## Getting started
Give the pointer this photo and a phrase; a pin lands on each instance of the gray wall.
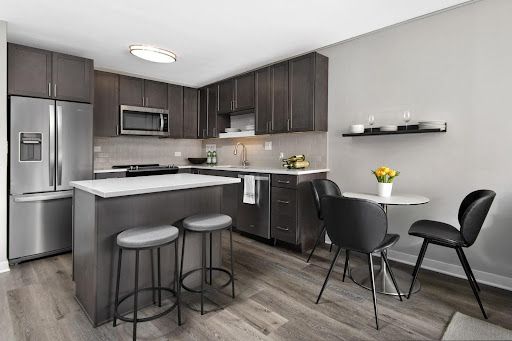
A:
(4, 265)
(456, 66)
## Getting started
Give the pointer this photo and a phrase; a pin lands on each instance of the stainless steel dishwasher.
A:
(255, 218)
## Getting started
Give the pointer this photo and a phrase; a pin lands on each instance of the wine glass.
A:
(371, 121)
(407, 117)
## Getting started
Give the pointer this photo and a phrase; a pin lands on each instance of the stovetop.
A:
(147, 166)
(148, 169)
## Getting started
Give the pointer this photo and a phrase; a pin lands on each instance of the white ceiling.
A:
(213, 39)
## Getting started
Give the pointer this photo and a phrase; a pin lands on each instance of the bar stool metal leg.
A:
(203, 268)
(159, 278)
(153, 275)
(232, 262)
(177, 284)
(210, 258)
(135, 295)
(182, 257)
(117, 284)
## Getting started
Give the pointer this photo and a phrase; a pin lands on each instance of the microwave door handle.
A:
(51, 145)
(161, 122)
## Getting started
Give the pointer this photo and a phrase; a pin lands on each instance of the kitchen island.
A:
(103, 208)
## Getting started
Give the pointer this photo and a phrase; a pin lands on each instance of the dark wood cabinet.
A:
(293, 217)
(211, 109)
(243, 92)
(40, 73)
(190, 115)
(203, 113)
(176, 116)
(263, 112)
(280, 122)
(73, 78)
(106, 104)
(29, 71)
(131, 91)
(225, 92)
(308, 93)
(155, 94)
(236, 94)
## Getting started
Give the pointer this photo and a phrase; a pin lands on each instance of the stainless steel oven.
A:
(144, 121)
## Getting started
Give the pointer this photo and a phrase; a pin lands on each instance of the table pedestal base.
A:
(383, 281)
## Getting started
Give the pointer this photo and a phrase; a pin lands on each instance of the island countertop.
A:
(117, 187)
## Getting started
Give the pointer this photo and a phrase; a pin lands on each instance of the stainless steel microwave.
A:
(144, 121)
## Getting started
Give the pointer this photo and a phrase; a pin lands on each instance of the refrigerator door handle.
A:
(51, 145)
(59, 145)
(43, 196)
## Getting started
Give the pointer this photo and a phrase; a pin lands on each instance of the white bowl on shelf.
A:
(389, 127)
(249, 127)
(232, 130)
(357, 128)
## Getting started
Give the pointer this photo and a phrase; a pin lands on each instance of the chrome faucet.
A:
(245, 163)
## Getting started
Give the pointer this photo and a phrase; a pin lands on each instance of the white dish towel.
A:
(249, 189)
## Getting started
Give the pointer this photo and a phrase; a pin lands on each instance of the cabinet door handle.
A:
(204, 133)
(284, 202)
(288, 124)
(49, 89)
(143, 101)
(282, 228)
(55, 90)
(117, 129)
(147, 101)
(283, 181)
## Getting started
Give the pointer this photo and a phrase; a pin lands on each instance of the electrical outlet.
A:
(97, 149)
(268, 145)
(177, 153)
(211, 147)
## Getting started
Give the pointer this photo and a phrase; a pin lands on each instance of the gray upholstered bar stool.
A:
(207, 224)
(147, 238)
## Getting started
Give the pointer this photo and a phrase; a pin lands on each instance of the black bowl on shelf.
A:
(197, 160)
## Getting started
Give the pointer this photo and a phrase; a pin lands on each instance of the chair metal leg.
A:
(177, 285)
(117, 285)
(317, 241)
(385, 258)
(347, 259)
(467, 270)
(328, 274)
(418, 265)
(203, 268)
(370, 265)
(210, 258)
(135, 295)
(159, 277)
(232, 262)
(330, 248)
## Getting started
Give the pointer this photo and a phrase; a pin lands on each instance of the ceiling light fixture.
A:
(153, 54)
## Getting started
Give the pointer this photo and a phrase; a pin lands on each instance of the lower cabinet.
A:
(293, 217)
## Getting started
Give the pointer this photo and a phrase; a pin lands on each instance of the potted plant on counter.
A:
(385, 177)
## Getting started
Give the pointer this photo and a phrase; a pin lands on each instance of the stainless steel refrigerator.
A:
(50, 144)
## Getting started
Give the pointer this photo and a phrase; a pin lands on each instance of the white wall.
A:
(457, 66)
(4, 265)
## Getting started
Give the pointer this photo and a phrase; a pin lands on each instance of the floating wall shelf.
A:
(411, 129)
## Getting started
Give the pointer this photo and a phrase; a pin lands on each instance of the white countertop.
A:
(117, 187)
(269, 170)
(395, 199)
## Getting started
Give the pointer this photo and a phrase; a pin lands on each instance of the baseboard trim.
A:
(4, 266)
(483, 277)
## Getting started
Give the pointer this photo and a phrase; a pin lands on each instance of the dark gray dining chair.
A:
(472, 213)
(358, 225)
(321, 188)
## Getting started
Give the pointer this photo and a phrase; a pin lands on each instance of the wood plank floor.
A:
(276, 291)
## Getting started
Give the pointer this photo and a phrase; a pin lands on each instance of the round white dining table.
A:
(383, 283)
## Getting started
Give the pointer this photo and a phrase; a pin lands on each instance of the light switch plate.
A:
(281, 156)
(97, 149)
(268, 145)
(177, 153)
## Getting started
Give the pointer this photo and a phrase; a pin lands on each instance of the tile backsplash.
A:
(312, 144)
(125, 150)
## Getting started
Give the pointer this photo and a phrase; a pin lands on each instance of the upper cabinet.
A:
(40, 73)
(190, 112)
(175, 110)
(142, 93)
(106, 104)
(236, 94)
(308, 76)
(280, 121)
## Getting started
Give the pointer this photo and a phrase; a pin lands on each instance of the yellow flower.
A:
(392, 172)
(380, 172)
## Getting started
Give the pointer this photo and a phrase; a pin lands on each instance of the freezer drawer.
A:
(39, 224)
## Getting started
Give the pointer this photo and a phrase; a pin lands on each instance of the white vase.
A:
(384, 189)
